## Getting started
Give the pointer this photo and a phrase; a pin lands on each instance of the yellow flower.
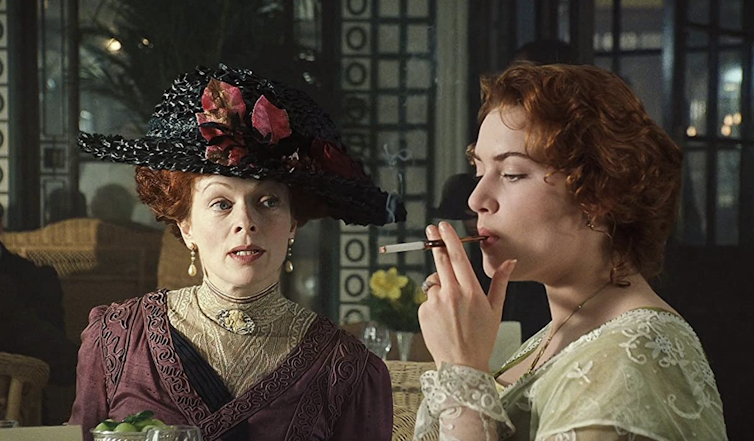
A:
(387, 284)
(420, 296)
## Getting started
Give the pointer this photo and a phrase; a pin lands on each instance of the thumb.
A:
(499, 285)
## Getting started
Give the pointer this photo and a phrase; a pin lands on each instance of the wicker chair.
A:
(98, 262)
(21, 381)
(407, 395)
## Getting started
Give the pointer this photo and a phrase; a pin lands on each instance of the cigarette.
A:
(424, 245)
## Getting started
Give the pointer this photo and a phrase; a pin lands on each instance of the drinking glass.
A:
(8, 424)
(377, 339)
(174, 433)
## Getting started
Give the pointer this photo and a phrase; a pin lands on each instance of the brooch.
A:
(236, 321)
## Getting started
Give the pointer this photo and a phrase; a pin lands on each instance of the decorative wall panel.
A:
(388, 93)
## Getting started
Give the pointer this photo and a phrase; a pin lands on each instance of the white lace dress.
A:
(641, 376)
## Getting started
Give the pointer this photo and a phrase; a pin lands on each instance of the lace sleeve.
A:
(461, 403)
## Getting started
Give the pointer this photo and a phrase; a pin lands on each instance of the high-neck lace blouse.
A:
(242, 353)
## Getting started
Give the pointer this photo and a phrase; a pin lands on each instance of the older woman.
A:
(578, 189)
(234, 163)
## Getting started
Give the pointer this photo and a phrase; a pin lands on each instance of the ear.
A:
(294, 226)
(185, 227)
(600, 223)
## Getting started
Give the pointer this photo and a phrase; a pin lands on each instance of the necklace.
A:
(216, 291)
(237, 320)
(555, 331)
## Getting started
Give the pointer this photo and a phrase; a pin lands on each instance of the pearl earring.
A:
(288, 262)
(192, 265)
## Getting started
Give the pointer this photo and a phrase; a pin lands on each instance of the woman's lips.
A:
(246, 257)
(491, 238)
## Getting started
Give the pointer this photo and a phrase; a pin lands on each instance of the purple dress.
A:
(330, 387)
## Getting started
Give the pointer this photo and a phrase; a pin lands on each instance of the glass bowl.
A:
(105, 435)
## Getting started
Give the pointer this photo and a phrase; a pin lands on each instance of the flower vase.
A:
(404, 343)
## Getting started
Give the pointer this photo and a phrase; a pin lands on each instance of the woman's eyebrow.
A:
(215, 183)
(503, 156)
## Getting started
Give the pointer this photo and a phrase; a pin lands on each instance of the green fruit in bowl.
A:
(103, 427)
(135, 423)
(149, 422)
(126, 427)
(148, 426)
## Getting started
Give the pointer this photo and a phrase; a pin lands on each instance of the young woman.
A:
(578, 189)
(234, 163)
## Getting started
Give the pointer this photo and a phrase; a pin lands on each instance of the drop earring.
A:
(590, 222)
(192, 265)
(288, 262)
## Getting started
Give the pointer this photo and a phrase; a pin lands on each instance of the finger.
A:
(442, 260)
(499, 285)
(422, 314)
(462, 268)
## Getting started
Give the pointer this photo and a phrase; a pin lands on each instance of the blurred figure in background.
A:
(58, 206)
(31, 316)
(113, 203)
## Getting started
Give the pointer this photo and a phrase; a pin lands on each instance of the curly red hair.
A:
(620, 166)
(170, 194)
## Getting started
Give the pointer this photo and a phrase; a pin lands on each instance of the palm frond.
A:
(161, 39)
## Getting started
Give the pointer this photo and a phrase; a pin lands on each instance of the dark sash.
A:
(206, 382)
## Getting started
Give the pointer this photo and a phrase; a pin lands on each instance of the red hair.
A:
(620, 166)
(168, 193)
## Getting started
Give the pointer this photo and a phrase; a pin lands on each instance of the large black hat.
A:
(234, 123)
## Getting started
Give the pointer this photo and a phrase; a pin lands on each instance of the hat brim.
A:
(354, 201)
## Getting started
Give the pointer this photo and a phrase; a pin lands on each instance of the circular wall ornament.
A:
(356, 74)
(355, 250)
(354, 285)
(356, 38)
(356, 7)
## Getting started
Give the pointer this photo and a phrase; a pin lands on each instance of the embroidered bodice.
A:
(329, 387)
(642, 375)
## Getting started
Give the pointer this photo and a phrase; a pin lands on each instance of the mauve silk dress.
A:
(330, 387)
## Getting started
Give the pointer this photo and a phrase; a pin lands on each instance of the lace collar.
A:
(640, 313)
(241, 316)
